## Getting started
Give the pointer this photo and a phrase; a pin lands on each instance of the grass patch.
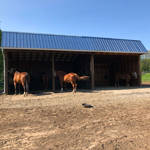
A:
(146, 77)
(1, 86)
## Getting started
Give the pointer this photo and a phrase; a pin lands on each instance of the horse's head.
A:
(12, 70)
(134, 74)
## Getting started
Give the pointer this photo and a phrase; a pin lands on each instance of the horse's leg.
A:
(73, 87)
(65, 86)
(19, 88)
(24, 89)
(61, 86)
(15, 87)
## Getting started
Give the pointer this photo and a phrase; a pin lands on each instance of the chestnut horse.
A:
(21, 78)
(125, 76)
(69, 78)
(45, 80)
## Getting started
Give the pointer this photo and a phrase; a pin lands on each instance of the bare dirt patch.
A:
(119, 120)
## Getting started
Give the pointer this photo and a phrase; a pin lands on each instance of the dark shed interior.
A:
(38, 61)
(105, 67)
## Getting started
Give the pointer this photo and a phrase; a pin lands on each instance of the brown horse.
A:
(69, 78)
(21, 78)
(45, 80)
(124, 76)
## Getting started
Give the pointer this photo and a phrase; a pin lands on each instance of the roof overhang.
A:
(72, 50)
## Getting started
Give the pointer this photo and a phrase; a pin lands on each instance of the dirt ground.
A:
(118, 120)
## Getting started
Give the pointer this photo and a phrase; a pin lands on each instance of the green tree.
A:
(145, 64)
(146, 55)
(1, 60)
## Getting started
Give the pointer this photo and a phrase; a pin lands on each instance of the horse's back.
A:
(123, 75)
(70, 77)
(21, 77)
(24, 75)
(17, 77)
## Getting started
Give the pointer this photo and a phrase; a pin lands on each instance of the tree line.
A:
(1, 60)
(145, 62)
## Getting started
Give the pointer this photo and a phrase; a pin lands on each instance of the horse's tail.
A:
(27, 82)
(82, 77)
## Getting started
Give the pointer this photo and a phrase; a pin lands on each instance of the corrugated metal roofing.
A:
(71, 43)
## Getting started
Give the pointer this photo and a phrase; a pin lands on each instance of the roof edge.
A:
(71, 50)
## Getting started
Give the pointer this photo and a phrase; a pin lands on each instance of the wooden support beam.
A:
(53, 70)
(108, 53)
(6, 72)
(99, 57)
(61, 57)
(92, 71)
(66, 57)
(139, 71)
(17, 59)
(72, 57)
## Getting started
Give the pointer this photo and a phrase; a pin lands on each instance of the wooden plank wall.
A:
(105, 74)
(125, 63)
(102, 75)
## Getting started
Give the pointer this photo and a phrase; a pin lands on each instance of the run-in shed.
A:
(99, 58)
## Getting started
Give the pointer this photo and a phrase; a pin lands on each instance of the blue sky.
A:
(121, 19)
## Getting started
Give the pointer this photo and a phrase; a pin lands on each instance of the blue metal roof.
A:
(71, 43)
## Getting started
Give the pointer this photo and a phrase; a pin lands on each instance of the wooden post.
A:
(92, 70)
(139, 71)
(6, 72)
(53, 70)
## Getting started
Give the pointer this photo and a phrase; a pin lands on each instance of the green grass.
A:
(146, 77)
(1, 86)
